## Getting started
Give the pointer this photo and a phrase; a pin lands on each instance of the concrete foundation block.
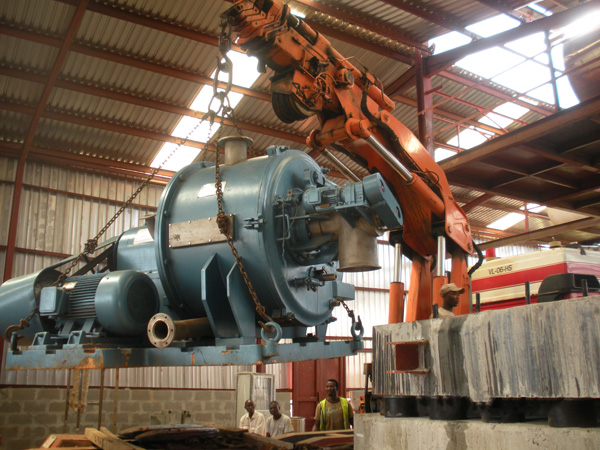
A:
(375, 431)
(541, 351)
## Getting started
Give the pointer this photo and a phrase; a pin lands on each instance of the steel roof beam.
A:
(450, 115)
(149, 22)
(494, 92)
(40, 38)
(436, 63)
(150, 103)
(361, 43)
(530, 132)
(196, 78)
(449, 24)
(198, 36)
(541, 234)
(111, 127)
(91, 164)
(11, 149)
(385, 31)
(477, 202)
(35, 119)
(503, 8)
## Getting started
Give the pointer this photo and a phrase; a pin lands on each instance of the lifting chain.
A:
(224, 65)
(91, 244)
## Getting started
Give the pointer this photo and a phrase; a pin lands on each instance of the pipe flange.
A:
(161, 330)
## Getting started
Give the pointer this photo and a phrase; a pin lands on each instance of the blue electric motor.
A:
(178, 279)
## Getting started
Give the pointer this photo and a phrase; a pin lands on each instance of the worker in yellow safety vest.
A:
(333, 412)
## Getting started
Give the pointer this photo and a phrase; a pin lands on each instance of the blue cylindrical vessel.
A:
(253, 192)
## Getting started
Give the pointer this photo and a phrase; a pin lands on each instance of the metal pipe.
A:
(527, 293)
(162, 330)
(478, 302)
(390, 158)
(424, 193)
(236, 148)
(441, 256)
(340, 165)
(397, 263)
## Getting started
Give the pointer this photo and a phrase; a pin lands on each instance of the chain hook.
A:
(225, 36)
(224, 64)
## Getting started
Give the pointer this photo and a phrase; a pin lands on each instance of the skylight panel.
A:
(530, 46)
(182, 157)
(491, 62)
(511, 219)
(539, 9)
(449, 41)
(467, 139)
(244, 74)
(503, 115)
(524, 77)
(205, 97)
(194, 129)
(558, 57)
(511, 110)
(543, 93)
(493, 25)
(533, 207)
(566, 95)
(495, 120)
(443, 153)
(245, 70)
(506, 221)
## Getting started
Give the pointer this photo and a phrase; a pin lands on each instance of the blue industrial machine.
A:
(178, 291)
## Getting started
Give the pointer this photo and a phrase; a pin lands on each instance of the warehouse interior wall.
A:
(30, 414)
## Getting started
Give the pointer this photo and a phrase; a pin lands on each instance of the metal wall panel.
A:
(61, 222)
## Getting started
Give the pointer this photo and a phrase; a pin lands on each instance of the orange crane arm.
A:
(312, 78)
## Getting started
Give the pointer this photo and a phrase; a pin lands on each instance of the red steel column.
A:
(424, 104)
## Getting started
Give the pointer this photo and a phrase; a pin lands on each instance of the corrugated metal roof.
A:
(156, 51)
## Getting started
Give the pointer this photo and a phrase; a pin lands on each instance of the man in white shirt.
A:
(253, 421)
(278, 423)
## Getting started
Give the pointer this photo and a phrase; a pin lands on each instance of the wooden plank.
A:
(108, 441)
(70, 447)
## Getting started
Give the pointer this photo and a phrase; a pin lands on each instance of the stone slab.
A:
(373, 431)
(548, 350)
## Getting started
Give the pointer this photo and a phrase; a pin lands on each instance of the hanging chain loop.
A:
(224, 65)
(91, 244)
